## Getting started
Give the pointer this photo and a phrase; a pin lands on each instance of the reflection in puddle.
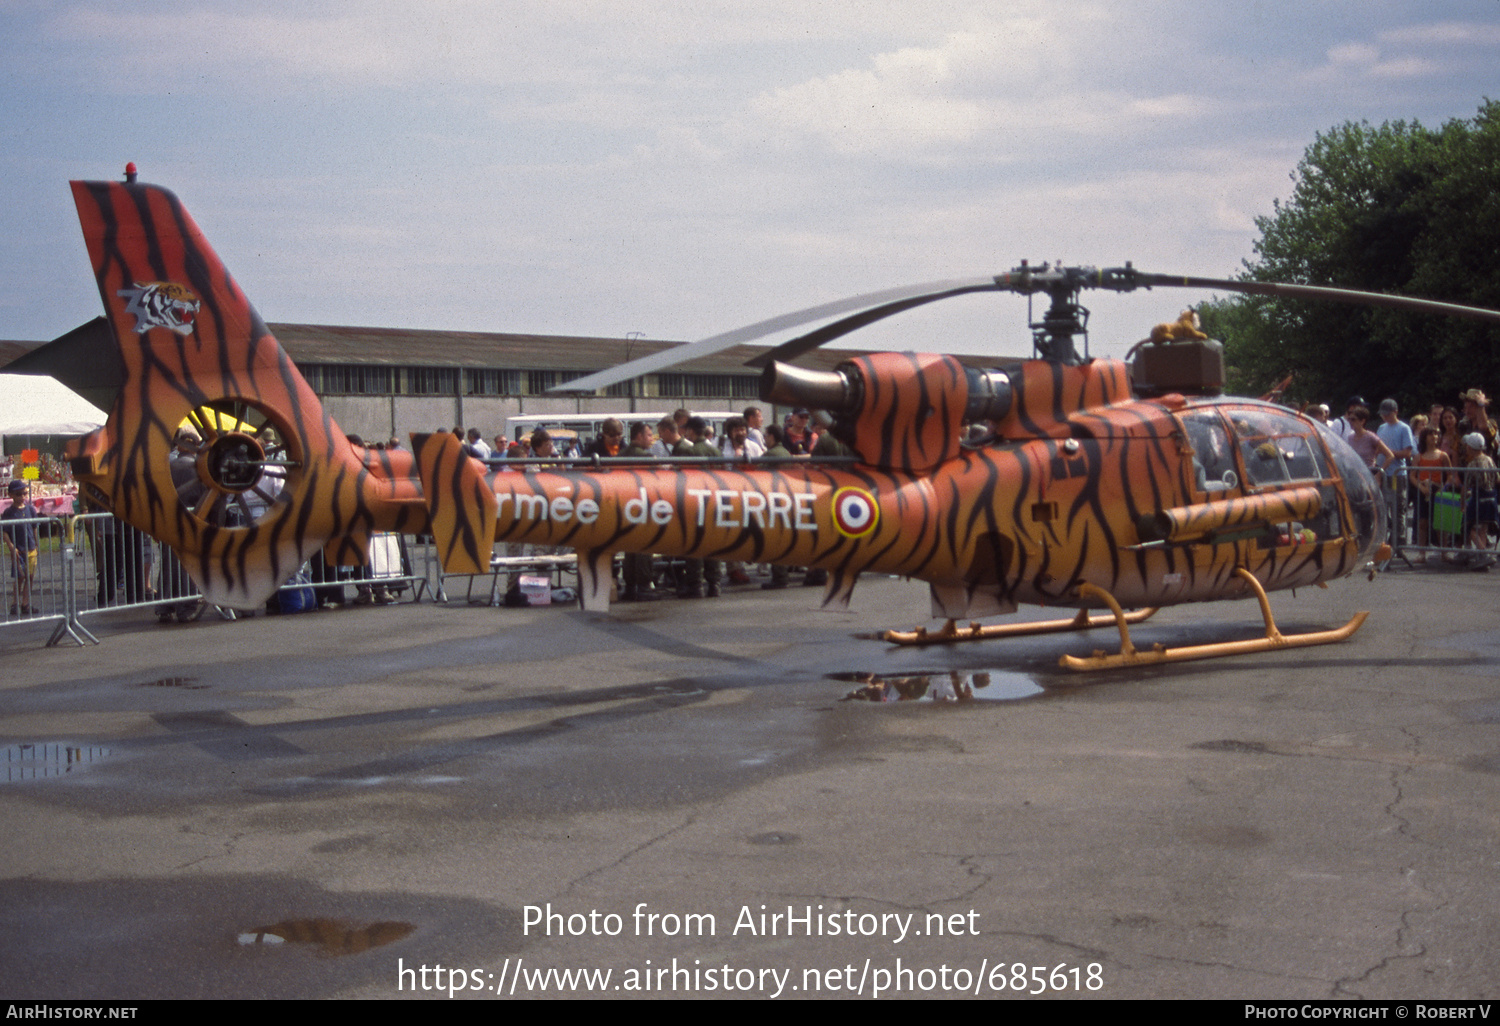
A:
(945, 686)
(33, 762)
(330, 935)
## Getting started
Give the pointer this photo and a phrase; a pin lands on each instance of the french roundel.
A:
(854, 512)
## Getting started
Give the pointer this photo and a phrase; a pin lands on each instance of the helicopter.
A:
(1100, 485)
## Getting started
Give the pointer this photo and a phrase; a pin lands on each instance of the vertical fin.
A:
(187, 338)
(596, 579)
(461, 506)
(839, 589)
(950, 601)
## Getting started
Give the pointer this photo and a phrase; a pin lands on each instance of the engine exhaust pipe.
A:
(836, 391)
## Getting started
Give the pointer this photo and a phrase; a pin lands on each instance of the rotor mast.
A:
(1065, 318)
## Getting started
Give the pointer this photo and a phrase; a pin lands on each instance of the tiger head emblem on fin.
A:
(161, 304)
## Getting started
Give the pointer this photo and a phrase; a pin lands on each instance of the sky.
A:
(678, 169)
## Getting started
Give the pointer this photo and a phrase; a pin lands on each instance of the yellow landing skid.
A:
(950, 632)
(1274, 639)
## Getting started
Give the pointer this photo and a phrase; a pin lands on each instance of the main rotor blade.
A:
(716, 343)
(1265, 288)
(790, 350)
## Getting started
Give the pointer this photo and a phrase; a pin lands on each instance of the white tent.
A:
(34, 405)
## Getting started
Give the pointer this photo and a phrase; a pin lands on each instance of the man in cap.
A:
(798, 436)
(1395, 434)
(611, 440)
(1480, 483)
(700, 577)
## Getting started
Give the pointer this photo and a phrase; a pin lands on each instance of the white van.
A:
(588, 426)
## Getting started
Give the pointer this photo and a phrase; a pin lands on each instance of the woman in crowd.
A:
(1430, 471)
(1367, 443)
(1448, 435)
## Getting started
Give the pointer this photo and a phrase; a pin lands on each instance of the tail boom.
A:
(843, 521)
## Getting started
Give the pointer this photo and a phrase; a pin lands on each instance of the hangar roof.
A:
(321, 343)
(83, 358)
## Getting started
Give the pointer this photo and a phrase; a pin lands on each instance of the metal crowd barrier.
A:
(1458, 520)
(38, 581)
(92, 564)
(398, 564)
(554, 563)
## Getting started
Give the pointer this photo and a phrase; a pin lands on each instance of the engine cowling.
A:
(897, 411)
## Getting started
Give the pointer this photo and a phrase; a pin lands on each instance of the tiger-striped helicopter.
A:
(1101, 485)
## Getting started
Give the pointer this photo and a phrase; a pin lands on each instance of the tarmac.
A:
(453, 802)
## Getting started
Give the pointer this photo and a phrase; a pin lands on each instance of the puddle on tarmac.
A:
(35, 762)
(331, 936)
(1230, 744)
(940, 686)
(775, 837)
(191, 683)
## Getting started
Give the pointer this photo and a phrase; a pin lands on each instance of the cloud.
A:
(899, 104)
(987, 92)
(1446, 33)
(407, 42)
(1366, 60)
(1355, 54)
(1429, 50)
(267, 48)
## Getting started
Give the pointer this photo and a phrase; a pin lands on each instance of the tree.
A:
(1399, 208)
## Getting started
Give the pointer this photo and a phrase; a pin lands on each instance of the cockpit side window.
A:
(1303, 458)
(1277, 450)
(1213, 454)
(1263, 464)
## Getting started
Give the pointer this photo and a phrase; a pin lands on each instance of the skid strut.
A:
(950, 632)
(1129, 655)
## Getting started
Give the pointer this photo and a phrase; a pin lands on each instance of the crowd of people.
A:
(744, 438)
(669, 436)
(1437, 473)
